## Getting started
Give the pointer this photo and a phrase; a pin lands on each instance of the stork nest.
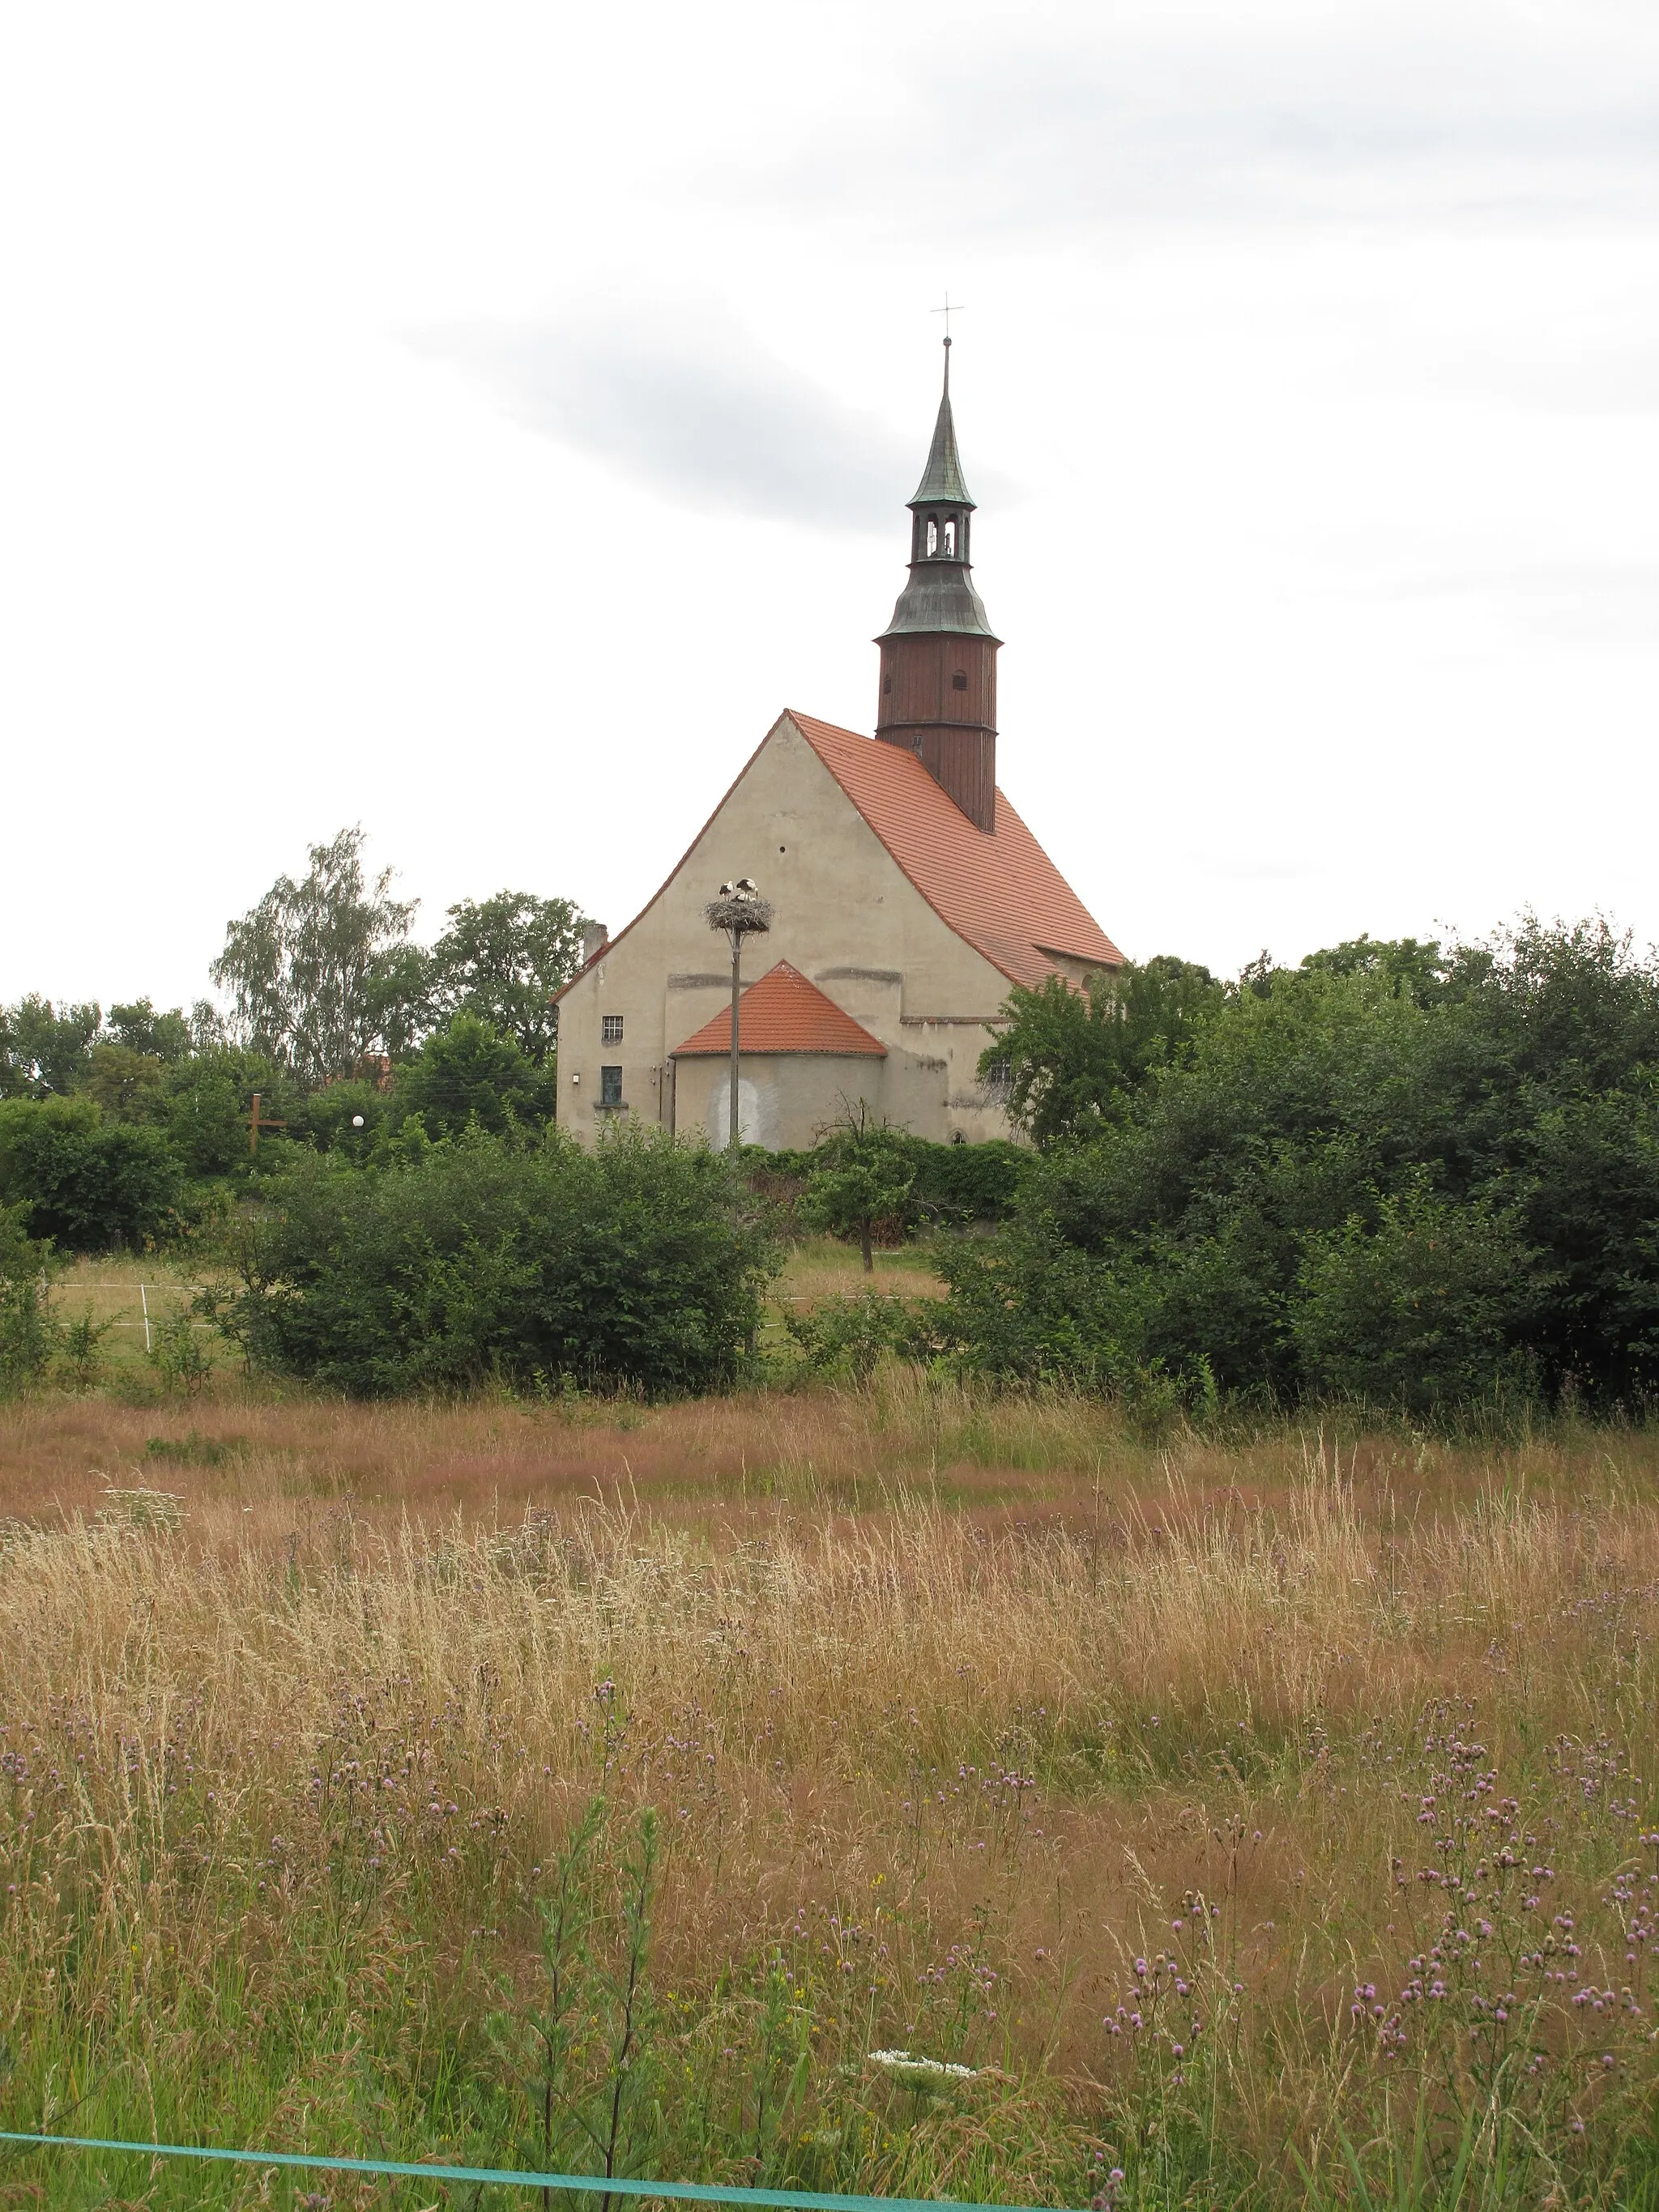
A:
(747, 917)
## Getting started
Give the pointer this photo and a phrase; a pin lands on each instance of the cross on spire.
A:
(950, 308)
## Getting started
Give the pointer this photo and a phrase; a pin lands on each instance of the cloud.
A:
(700, 415)
(1467, 109)
(1260, 867)
(1614, 603)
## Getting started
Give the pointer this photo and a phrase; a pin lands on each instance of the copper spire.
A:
(942, 482)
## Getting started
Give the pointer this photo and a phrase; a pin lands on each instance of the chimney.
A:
(595, 937)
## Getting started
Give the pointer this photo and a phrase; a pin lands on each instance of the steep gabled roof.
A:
(1002, 893)
(782, 1012)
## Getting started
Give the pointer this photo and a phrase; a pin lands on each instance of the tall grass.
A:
(1257, 1823)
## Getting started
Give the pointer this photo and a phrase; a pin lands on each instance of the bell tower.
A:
(938, 654)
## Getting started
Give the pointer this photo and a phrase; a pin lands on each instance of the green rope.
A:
(701, 2192)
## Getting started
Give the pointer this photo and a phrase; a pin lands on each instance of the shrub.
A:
(1028, 1305)
(80, 1350)
(952, 1186)
(957, 1186)
(26, 1333)
(85, 1183)
(178, 1356)
(1424, 1182)
(848, 1335)
(638, 1264)
(1421, 1311)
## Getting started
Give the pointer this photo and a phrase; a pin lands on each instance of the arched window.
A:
(950, 539)
(933, 535)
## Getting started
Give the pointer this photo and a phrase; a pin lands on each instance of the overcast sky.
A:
(478, 422)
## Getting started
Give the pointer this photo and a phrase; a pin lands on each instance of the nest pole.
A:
(738, 912)
(736, 965)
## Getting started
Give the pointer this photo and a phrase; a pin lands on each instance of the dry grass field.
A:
(1259, 1819)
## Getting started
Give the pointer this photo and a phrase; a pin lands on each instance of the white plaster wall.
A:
(709, 1082)
(840, 903)
(784, 1100)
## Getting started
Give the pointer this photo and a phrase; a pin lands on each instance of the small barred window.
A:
(610, 1029)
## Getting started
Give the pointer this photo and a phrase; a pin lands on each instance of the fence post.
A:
(145, 1301)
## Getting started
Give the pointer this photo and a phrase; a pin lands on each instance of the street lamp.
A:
(739, 911)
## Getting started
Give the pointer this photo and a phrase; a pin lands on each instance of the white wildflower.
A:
(920, 2071)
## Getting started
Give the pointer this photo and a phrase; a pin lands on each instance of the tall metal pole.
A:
(739, 911)
(737, 959)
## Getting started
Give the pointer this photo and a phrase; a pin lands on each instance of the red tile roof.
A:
(782, 1012)
(1001, 892)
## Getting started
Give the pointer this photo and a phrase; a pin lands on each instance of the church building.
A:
(906, 897)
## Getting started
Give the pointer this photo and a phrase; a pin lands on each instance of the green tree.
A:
(864, 1174)
(321, 973)
(1075, 1058)
(1561, 1109)
(44, 1049)
(126, 1085)
(502, 958)
(467, 1073)
(1411, 965)
(137, 1027)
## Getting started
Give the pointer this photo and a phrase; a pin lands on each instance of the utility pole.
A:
(738, 912)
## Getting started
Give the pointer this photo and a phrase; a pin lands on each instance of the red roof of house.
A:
(1002, 893)
(782, 1012)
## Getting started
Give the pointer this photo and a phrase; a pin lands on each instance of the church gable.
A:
(837, 888)
(1000, 893)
